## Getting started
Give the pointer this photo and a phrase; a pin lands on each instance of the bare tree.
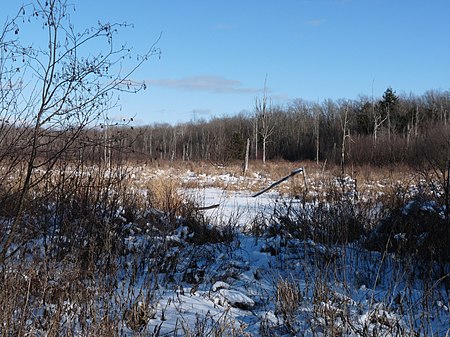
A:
(54, 93)
(255, 134)
(264, 114)
(345, 133)
(317, 114)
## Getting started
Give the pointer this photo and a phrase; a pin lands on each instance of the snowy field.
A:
(262, 284)
(309, 263)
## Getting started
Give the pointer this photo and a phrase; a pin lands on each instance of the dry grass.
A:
(287, 302)
(163, 194)
(370, 180)
(69, 283)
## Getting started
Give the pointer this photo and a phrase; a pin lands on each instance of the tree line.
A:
(389, 129)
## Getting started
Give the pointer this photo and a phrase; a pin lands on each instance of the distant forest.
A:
(386, 130)
(390, 129)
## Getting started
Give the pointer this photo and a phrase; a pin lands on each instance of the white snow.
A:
(234, 298)
(343, 290)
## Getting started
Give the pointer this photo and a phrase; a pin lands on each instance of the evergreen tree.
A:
(388, 106)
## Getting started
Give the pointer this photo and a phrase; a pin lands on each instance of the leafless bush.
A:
(287, 302)
(416, 229)
(205, 232)
(138, 316)
(338, 221)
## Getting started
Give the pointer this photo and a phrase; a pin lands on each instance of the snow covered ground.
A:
(272, 265)
(236, 207)
(279, 285)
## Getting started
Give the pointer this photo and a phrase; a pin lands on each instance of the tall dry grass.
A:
(78, 271)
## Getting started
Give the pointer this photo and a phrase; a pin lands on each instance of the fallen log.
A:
(204, 208)
(293, 173)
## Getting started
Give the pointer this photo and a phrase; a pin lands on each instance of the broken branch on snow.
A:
(293, 173)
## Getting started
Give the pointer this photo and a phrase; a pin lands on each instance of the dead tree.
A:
(264, 115)
(345, 135)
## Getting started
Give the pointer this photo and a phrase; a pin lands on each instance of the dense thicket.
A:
(390, 129)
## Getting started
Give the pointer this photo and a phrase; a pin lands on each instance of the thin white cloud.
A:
(316, 22)
(211, 83)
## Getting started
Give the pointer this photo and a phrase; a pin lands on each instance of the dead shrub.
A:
(202, 231)
(335, 223)
(138, 316)
(288, 301)
(417, 229)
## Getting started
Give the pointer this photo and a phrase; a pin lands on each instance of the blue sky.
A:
(217, 54)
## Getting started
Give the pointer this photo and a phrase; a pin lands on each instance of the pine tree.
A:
(387, 106)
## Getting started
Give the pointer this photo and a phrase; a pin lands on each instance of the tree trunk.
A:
(343, 155)
(317, 138)
(416, 125)
(344, 136)
(264, 150)
(256, 137)
(247, 153)
(389, 124)
(447, 197)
